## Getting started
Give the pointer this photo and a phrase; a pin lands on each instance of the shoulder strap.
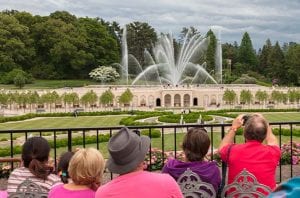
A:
(224, 170)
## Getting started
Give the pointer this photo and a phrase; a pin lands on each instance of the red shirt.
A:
(259, 159)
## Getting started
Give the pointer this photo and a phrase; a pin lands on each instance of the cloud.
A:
(275, 19)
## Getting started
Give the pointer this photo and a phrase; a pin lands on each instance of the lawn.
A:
(282, 116)
(53, 84)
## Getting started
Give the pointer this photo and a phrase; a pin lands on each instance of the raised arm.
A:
(229, 137)
(271, 138)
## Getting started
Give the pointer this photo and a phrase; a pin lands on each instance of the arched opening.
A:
(195, 102)
(213, 100)
(167, 100)
(143, 101)
(177, 101)
(186, 100)
(158, 103)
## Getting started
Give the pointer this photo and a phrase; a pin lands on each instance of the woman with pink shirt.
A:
(85, 170)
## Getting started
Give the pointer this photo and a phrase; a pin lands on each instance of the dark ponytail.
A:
(35, 154)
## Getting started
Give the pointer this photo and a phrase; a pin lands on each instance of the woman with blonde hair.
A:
(85, 170)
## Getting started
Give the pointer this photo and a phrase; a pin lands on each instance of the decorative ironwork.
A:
(193, 187)
(29, 189)
(245, 185)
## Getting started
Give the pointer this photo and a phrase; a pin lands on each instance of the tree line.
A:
(63, 46)
(262, 97)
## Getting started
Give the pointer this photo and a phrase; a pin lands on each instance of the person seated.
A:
(86, 170)
(288, 189)
(127, 153)
(257, 158)
(63, 165)
(195, 147)
(35, 155)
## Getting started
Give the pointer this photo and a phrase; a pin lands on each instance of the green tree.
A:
(140, 36)
(106, 98)
(293, 64)
(229, 96)
(261, 96)
(20, 81)
(89, 98)
(264, 58)
(246, 97)
(211, 51)
(277, 69)
(247, 54)
(126, 97)
(16, 47)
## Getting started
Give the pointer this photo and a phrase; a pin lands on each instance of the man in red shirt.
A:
(254, 156)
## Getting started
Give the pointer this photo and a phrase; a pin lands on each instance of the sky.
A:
(278, 20)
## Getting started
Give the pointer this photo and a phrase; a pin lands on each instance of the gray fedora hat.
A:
(126, 150)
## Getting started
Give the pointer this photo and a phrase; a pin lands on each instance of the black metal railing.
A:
(67, 136)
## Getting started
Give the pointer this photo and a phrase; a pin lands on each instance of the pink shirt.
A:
(140, 184)
(60, 191)
(259, 159)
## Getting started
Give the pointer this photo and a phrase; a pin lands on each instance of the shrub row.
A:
(131, 121)
(155, 133)
(187, 118)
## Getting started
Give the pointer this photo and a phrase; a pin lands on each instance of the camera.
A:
(245, 118)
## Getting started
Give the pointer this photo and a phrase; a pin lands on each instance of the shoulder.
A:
(57, 188)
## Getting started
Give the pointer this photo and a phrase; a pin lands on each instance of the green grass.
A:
(52, 84)
(282, 116)
(169, 143)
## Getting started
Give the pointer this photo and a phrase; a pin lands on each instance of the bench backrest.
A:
(29, 189)
(245, 184)
(191, 185)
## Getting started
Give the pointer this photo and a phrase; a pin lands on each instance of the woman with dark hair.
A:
(63, 165)
(195, 146)
(35, 154)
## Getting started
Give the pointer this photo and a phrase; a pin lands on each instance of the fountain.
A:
(163, 68)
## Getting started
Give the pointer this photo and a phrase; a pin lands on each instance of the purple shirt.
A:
(60, 191)
(207, 171)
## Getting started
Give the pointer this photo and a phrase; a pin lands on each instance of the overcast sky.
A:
(278, 20)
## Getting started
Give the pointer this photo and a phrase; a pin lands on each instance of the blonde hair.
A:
(86, 167)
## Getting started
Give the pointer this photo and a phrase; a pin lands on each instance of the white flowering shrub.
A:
(104, 74)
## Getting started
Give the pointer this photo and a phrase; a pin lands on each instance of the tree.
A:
(104, 74)
(261, 96)
(20, 81)
(293, 64)
(247, 54)
(264, 58)
(16, 47)
(246, 97)
(211, 51)
(126, 97)
(140, 36)
(89, 98)
(229, 96)
(277, 69)
(191, 30)
(106, 98)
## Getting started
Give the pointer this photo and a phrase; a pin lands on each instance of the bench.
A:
(117, 109)
(192, 186)
(40, 110)
(79, 110)
(270, 106)
(238, 107)
(28, 189)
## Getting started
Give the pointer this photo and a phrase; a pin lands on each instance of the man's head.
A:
(127, 150)
(256, 128)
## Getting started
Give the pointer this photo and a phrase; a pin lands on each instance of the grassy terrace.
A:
(113, 120)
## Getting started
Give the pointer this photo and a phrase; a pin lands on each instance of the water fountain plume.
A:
(162, 65)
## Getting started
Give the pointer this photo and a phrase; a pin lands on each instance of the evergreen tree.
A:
(264, 58)
(277, 69)
(211, 51)
(247, 55)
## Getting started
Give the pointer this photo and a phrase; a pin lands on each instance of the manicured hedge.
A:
(187, 118)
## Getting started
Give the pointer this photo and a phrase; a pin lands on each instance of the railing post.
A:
(69, 140)
(223, 163)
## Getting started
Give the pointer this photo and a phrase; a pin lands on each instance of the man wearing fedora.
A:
(127, 153)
